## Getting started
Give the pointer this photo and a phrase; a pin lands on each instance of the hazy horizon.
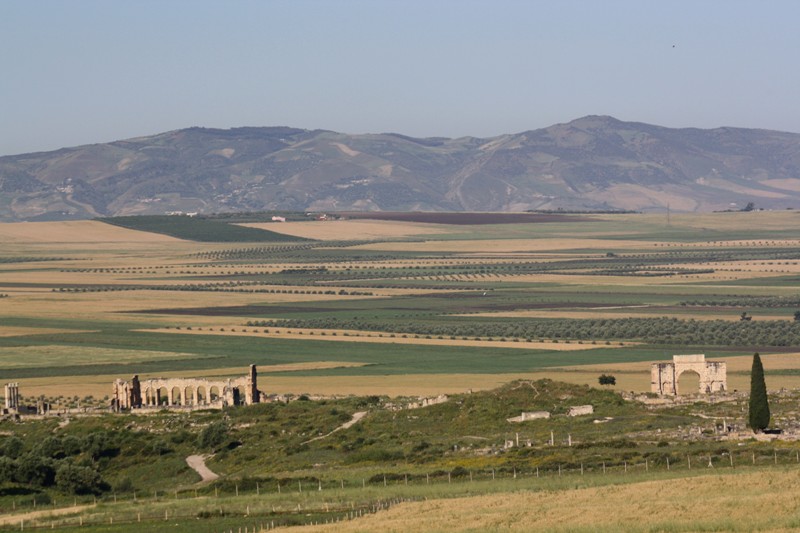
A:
(92, 72)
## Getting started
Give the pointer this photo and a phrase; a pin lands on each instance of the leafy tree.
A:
(36, 470)
(50, 447)
(797, 316)
(8, 469)
(607, 380)
(99, 445)
(213, 435)
(13, 447)
(759, 404)
(73, 479)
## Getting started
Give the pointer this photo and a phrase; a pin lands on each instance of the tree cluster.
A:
(68, 463)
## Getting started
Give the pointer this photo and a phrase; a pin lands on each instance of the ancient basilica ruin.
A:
(160, 393)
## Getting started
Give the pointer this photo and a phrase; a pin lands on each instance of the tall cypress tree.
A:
(759, 404)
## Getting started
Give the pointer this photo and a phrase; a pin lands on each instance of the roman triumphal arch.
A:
(665, 376)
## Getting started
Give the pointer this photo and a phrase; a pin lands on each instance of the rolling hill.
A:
(595, 162)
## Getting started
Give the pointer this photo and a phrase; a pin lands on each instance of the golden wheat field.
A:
(755, 501)
(353, 229)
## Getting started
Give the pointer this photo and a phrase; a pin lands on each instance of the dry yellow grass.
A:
(636, 376)
(753, 501)
(343, 335)
(100, 385)
(336, 230)
(79, 231)
(509, 245)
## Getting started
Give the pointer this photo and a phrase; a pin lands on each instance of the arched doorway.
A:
(688, 383)
(201, 395)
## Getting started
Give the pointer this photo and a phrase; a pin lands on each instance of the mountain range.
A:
(592, 163)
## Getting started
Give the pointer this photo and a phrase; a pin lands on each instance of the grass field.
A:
(93, 299)
(704, 503)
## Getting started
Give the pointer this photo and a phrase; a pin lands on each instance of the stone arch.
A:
(213, 393)
(202, 395)
(665, 376)
(146, 393)
(189, 395)
(162, 396)
(688, 381)
(175, 396)
(239, 395)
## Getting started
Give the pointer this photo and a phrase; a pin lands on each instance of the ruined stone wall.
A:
(185, 392)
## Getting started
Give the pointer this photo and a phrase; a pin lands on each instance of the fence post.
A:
(667, 463)
(689, 459)
(604, 467)
(626, 467)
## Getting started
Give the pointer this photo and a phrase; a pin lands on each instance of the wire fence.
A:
(255, 505)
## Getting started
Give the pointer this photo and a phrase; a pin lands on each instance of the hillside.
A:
(591, 163)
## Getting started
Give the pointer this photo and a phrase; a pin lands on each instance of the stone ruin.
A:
(665, 376)
(580, 410)
(530, 415)
(14, 405)
(160, 393)
(12, 397)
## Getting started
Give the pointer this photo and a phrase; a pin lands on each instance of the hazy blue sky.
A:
(77, 72)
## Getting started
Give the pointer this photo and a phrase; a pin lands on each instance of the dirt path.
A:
(44, 513)
(198, 464)
(356, 417)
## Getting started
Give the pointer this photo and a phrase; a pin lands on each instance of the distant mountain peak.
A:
(593, 162)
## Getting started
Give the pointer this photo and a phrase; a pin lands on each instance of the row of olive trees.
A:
(652, 330)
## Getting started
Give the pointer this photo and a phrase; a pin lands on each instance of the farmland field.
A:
(396, 297)
(362, 317)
